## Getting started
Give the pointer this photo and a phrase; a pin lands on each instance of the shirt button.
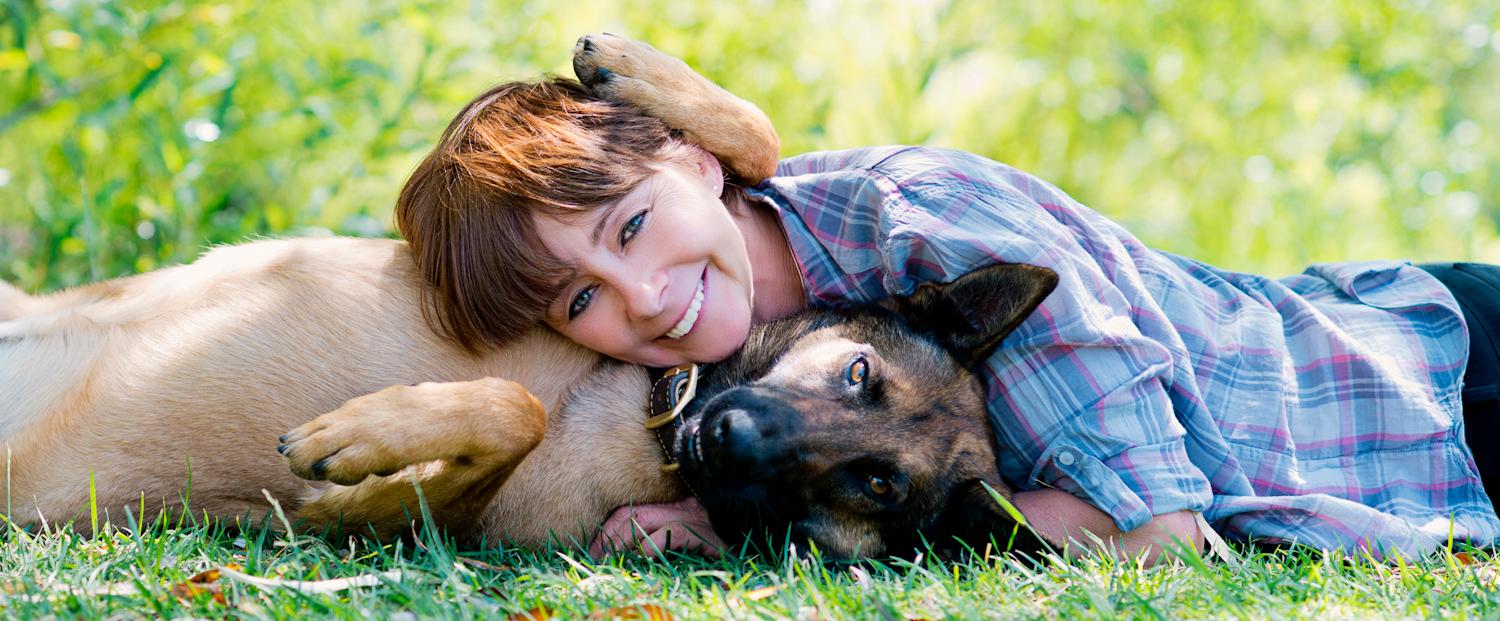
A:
(1066, 457)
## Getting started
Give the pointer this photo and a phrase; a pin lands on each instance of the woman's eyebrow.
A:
(608, 212)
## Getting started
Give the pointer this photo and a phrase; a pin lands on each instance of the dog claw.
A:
(320, 468)
(281, 449)
(282, 438)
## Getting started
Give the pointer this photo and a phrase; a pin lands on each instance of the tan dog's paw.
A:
(344, 446)
(488, 420)
(634, 73)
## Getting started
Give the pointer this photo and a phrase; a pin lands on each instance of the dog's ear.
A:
(972, 314)
(973, 517)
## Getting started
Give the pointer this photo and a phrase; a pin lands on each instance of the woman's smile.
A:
(689, 317)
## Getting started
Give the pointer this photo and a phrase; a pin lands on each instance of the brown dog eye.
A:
(878, 485)
(856, 371)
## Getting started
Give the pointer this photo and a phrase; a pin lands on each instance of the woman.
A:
(1324, 408)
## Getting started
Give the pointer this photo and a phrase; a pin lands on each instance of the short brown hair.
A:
(518, 150)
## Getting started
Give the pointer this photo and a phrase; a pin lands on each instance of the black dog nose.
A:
(737, 429)
(588, 46)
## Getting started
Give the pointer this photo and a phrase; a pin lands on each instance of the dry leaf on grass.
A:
(645, 612)
(756, 595)
(204, 582)
(649, 612)
(314, 586)
(474, 562)
(535, 614)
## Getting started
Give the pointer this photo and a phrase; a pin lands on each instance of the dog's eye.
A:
(878, 485)
(855, 373)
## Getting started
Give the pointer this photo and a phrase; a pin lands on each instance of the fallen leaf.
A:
(205, 577)
(314, 586)
(1464, 558)
(535, 614)
(474, 562)
(756, 595)
(189, 591)
(649, 612)
(201, 583)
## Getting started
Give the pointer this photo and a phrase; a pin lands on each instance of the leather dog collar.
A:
(669, 395)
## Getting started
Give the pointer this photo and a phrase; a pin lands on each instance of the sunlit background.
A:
(1256, 135)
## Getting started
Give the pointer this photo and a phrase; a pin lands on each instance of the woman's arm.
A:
(1055, 514)
(1059, 516)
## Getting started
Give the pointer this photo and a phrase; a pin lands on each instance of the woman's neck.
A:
(777, 278)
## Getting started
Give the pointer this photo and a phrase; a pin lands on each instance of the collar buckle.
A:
(672, 393)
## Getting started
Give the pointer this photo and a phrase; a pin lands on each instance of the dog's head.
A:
(861, 430)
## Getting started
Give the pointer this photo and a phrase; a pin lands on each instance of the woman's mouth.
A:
(689, 318)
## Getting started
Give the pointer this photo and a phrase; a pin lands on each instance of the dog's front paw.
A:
(346, 445)
(490, 421)
(632, 72)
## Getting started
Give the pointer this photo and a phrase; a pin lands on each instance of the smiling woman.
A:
(662, 276)
(518, 151)
(542, 201)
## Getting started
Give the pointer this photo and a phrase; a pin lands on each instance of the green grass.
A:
(62, 574)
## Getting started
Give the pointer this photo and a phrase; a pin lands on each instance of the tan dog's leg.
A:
(631, 72)
(459, 440)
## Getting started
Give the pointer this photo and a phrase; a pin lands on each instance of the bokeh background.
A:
(1258, 135)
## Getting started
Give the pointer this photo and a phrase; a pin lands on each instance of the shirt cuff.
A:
(1130, 486)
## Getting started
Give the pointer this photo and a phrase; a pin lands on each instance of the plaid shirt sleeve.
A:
(1076, 393)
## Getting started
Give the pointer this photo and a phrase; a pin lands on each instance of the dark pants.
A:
(1477, 287)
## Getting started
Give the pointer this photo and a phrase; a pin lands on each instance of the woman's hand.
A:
(653, 529)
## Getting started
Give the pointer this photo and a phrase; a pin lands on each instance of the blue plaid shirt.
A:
(1321, 408)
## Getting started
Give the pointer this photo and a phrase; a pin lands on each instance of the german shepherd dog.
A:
(179, 382)
(861, 430)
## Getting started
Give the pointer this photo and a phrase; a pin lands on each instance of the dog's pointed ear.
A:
(973, 517)
(972, 314)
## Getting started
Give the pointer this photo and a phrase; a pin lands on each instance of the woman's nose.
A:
(645, 294)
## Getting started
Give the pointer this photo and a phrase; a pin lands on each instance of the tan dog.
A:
(172, 387)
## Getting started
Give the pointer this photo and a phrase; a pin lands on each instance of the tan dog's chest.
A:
(594, 457)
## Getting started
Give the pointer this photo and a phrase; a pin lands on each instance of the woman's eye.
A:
(632, 226)
(855, 373)
(581, 302)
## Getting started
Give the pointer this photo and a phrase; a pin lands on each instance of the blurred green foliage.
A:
(1255, 134)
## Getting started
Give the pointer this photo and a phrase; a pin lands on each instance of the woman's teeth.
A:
(690, 318)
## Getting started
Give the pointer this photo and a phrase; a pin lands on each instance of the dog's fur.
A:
(193, 372)
(861, 430)
(179, 382)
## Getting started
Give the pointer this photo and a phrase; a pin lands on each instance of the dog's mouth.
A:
(690, 453)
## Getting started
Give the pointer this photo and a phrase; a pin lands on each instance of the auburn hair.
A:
(517, 151)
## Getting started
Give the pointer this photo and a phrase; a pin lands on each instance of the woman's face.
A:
(663, 275)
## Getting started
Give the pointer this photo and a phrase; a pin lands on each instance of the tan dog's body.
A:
(201, 367)
(176, 384)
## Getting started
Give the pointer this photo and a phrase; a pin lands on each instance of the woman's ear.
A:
(709, 169)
